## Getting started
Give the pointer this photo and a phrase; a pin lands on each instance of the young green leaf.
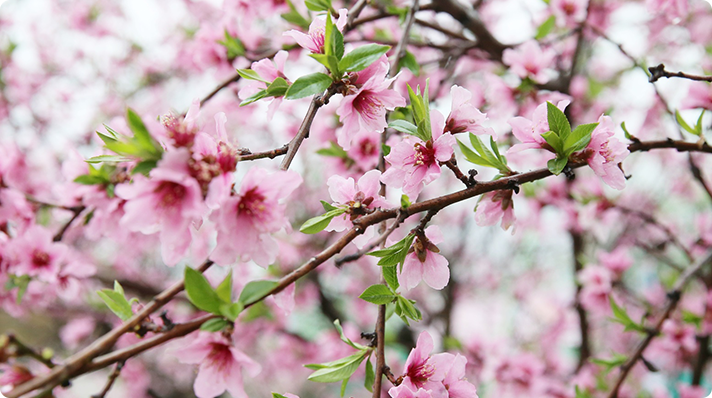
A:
(275, 395)
(370, 375)
(337, 370)
(144, 167)
(141, 134)
(224, 289)
(698, 125)
(318, 223)
(305, 86)
(378, 294)
(390, 275)
(545, 28)
(557, 165)
(558, 122)
(249, 74)
(200, 293)
(579, 138)
(610, 364)
(331, 63)
(404, 126)
(554, 141)
(108, 158)
(255, 290)
(344, 383)
(231, 311)
(684, 124)
(360, 58)
(318, 5)
(347, 340)
(116, 302)
(254, 97)
(621, 316)
(214, 325)
(409, 62)
(294, 17)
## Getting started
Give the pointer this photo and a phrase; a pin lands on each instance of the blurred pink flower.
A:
(604, 153)
(495, 206)
(529, 131)
(529, 60)
(314, 39)
(464, 116)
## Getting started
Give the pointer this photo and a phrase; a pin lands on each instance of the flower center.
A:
(252, 203)
(40, 259)
(367, 104)
(220, 357)
(171, 193)
(424, 154)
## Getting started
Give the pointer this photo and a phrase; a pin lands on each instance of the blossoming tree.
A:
(271, 240)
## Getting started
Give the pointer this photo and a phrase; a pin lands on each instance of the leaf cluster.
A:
(562, 139)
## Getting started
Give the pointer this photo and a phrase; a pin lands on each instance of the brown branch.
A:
(673, 298)
(400, 49)
(60, 234)
(647, 218)
(702, 357)
(658, 72)
(21, 349)
(585, 346)
(74, 363)
(381, 239)
(247, 155)
(110, 381)
(317, 102)
(234, 79)
(380, 350)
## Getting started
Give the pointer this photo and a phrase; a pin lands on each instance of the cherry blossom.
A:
(221, 364)
(495, 206)
(414, 162)
(529, 131)
(529, 60)
(464, 116)
(424, 261)
(314, 39)
(426, 371)
(605, 152)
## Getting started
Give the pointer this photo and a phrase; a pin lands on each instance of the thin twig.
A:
(647, 218)
(400, 49)
(658, 72)
(60, 234)
(271, 154)
(673, 299)
(24, 350)
(381, 239)
(110, 380)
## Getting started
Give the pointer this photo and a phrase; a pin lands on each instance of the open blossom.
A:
(495, 206)
(569, 12)
(360, 198)
(604, 153)
(314, 39)
(35, 254)
(366, 149)
(529, 60)
(169, 202)
(246, 219)
(464, 116)
(402, 391)
(529, 131)
(366, 108)
(221, 365)
(425, 263)
(426, 371)
(414, 162)
(455, 382)
(268, 70)
(596, 288)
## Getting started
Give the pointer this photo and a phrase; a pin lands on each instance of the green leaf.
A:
(90, 180)
(231, 311)
(254, 97)
(233, 46)
(275, 395)
(378, 294)
(556, 165)
(545, 28)
(396, 253)
(345, 339)
(224, 289)
(610, 364)
(19, 282)
(370, 376)
(472, 157)
(277, 88)
(200, 293)
(360, 58)
(337, 370)
(334, 150)
(333, 39)
(558, 122)
(214, 325)
(698, 125)
(318, 223)
(404, 126)
(249, 74)
(294, 17)
(421, 112)
(344, 383)
(579, 138)
(109, 158)
(487, 154)
(409, 62)
(144, 167)
(582, 393)
(116, 302)
(691, 317)
(405, 201)
(409, 309)
(331, 63)
(327, 206)
(625, 131)
(255, 290)
(312, 84)
(622, 317)
(554, 141)
(318, 5)
(684, 124)
(385, 149)
(141, 134)
(390, 275)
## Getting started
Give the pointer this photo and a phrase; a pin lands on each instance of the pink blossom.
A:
(671, 9)
(365, 109)
(402, 391)
(221, 365)
(360, 198)
(596, 282)
(455, 382)
(529, 131)
(424, 262)
(35, 254)
(495, 206)
(570, 12)
(678, 337)
(617, 261)
(314, 39)
(426, 371)
(268, 70)
(521, 372)
(76, 331)
(414, 162)
(698, 96)
(464, 116)
(605, 152)
(11, 376)
(366, 149)
(246, 219)
(529, 60)
(169, 202)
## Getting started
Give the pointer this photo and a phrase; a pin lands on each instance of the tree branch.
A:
(658, 72)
